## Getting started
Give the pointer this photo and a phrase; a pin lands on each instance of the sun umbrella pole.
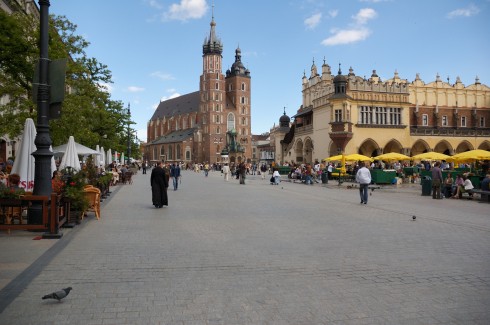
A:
(42, 174)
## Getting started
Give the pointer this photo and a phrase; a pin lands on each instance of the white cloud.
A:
(333, 13)
(134, 89)
(364, 15)
(374, 1)
(346, 36)
(174, 95)
(187, 9)
(471, 10)
(162, 75)
(155, 4)
(313, 21)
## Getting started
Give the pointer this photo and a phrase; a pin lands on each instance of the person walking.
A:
(206, 169)
(242, 171)
(159, 185)
(436, 181)
(175, 175)
(226, 172)
(363, 177)
(263, 170)
(144, 167)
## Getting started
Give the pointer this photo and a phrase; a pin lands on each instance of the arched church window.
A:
(230, 122)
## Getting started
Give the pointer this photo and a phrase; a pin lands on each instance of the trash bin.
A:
(325, 177)
(426, 183)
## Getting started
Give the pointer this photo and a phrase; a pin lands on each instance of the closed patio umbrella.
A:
(24, 161)
(70, 157)
(109, 156)
(122, 158)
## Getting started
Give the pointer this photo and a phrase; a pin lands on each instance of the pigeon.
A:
(58, 295)
(414, 217)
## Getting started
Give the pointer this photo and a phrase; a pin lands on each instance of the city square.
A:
(225, 253)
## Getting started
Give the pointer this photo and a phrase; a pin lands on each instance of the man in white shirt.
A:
(363, 177)
(226, 172)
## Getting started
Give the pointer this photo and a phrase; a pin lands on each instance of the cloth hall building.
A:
(353, 114)
(200, 126)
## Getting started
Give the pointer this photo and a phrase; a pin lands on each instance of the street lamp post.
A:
(129, 134)
(43, 154)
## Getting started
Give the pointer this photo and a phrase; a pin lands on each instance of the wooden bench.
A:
(484, 195)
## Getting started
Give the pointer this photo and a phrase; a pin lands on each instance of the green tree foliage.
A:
(88, 112)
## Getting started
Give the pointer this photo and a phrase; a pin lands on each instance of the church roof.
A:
(176, 136)
(183, 104)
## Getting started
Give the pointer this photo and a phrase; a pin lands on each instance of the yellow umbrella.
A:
(334, 158)
(357, 157)
(392, 156)
(430, 156)
(351, 157)
(342, 168)
(477, 154)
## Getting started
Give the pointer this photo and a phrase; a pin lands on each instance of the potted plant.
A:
(73, 192)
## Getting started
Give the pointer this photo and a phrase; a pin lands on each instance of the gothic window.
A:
(242, 100)
(184, 123)
(216, 85)
(162, 151)
(230, 122)
(444, 120)
(243, 86)
(170, 149)
(463, 121)
(178, 152)
(176, 125)
(425, 120)
(244, 110)
(230, 87)
(187, 155)
(218, 130)
(243, 121)
(155, 153)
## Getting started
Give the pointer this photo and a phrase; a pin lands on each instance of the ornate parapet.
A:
(450, 132)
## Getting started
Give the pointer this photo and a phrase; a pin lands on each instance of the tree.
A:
(88, 112)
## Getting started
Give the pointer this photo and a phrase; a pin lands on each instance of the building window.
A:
(425, 120)
(482, 122)
(217, 119)
(244, 121)
(244, 110)
(243, 86)
(463, 121)
(218, 130)
(216, 86)
(178, 152)
(444, 120)
(170, 149)
(338, 115)
(230, 87)
(230, 122)
(187, 155)
(242, 100)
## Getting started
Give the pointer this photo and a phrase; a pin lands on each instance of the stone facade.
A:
(197, 127)
(351, 114)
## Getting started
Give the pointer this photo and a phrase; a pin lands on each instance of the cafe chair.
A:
(93, 196)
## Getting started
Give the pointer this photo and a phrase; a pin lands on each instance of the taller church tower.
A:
(225, 103)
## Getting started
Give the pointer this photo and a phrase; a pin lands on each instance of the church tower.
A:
(212, 100)
(238, 94)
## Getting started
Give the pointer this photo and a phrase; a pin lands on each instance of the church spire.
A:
(212, 44)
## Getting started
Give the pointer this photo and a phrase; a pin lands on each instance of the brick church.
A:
(205, 125)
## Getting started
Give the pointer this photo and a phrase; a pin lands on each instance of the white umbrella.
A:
(70, 158)
(53, 163)
(24, 162)
(102, 156)
(97, 157)
(81, 149)
(109, 156)
(122, 158)
(115, 157)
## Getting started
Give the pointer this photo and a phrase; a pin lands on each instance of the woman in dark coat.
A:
(159, 185)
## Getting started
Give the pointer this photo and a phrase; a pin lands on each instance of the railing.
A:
(54, 212)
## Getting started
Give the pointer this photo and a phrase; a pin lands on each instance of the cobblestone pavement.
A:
(224, 253)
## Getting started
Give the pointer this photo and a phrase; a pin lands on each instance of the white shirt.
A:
(468, 185)
(363, 176)
(276, 173)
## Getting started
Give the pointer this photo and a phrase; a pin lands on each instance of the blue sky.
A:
(154, 47)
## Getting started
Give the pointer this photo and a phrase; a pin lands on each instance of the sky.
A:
(154, 47)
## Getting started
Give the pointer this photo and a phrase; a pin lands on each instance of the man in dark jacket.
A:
(159, 185)
(175, 175)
